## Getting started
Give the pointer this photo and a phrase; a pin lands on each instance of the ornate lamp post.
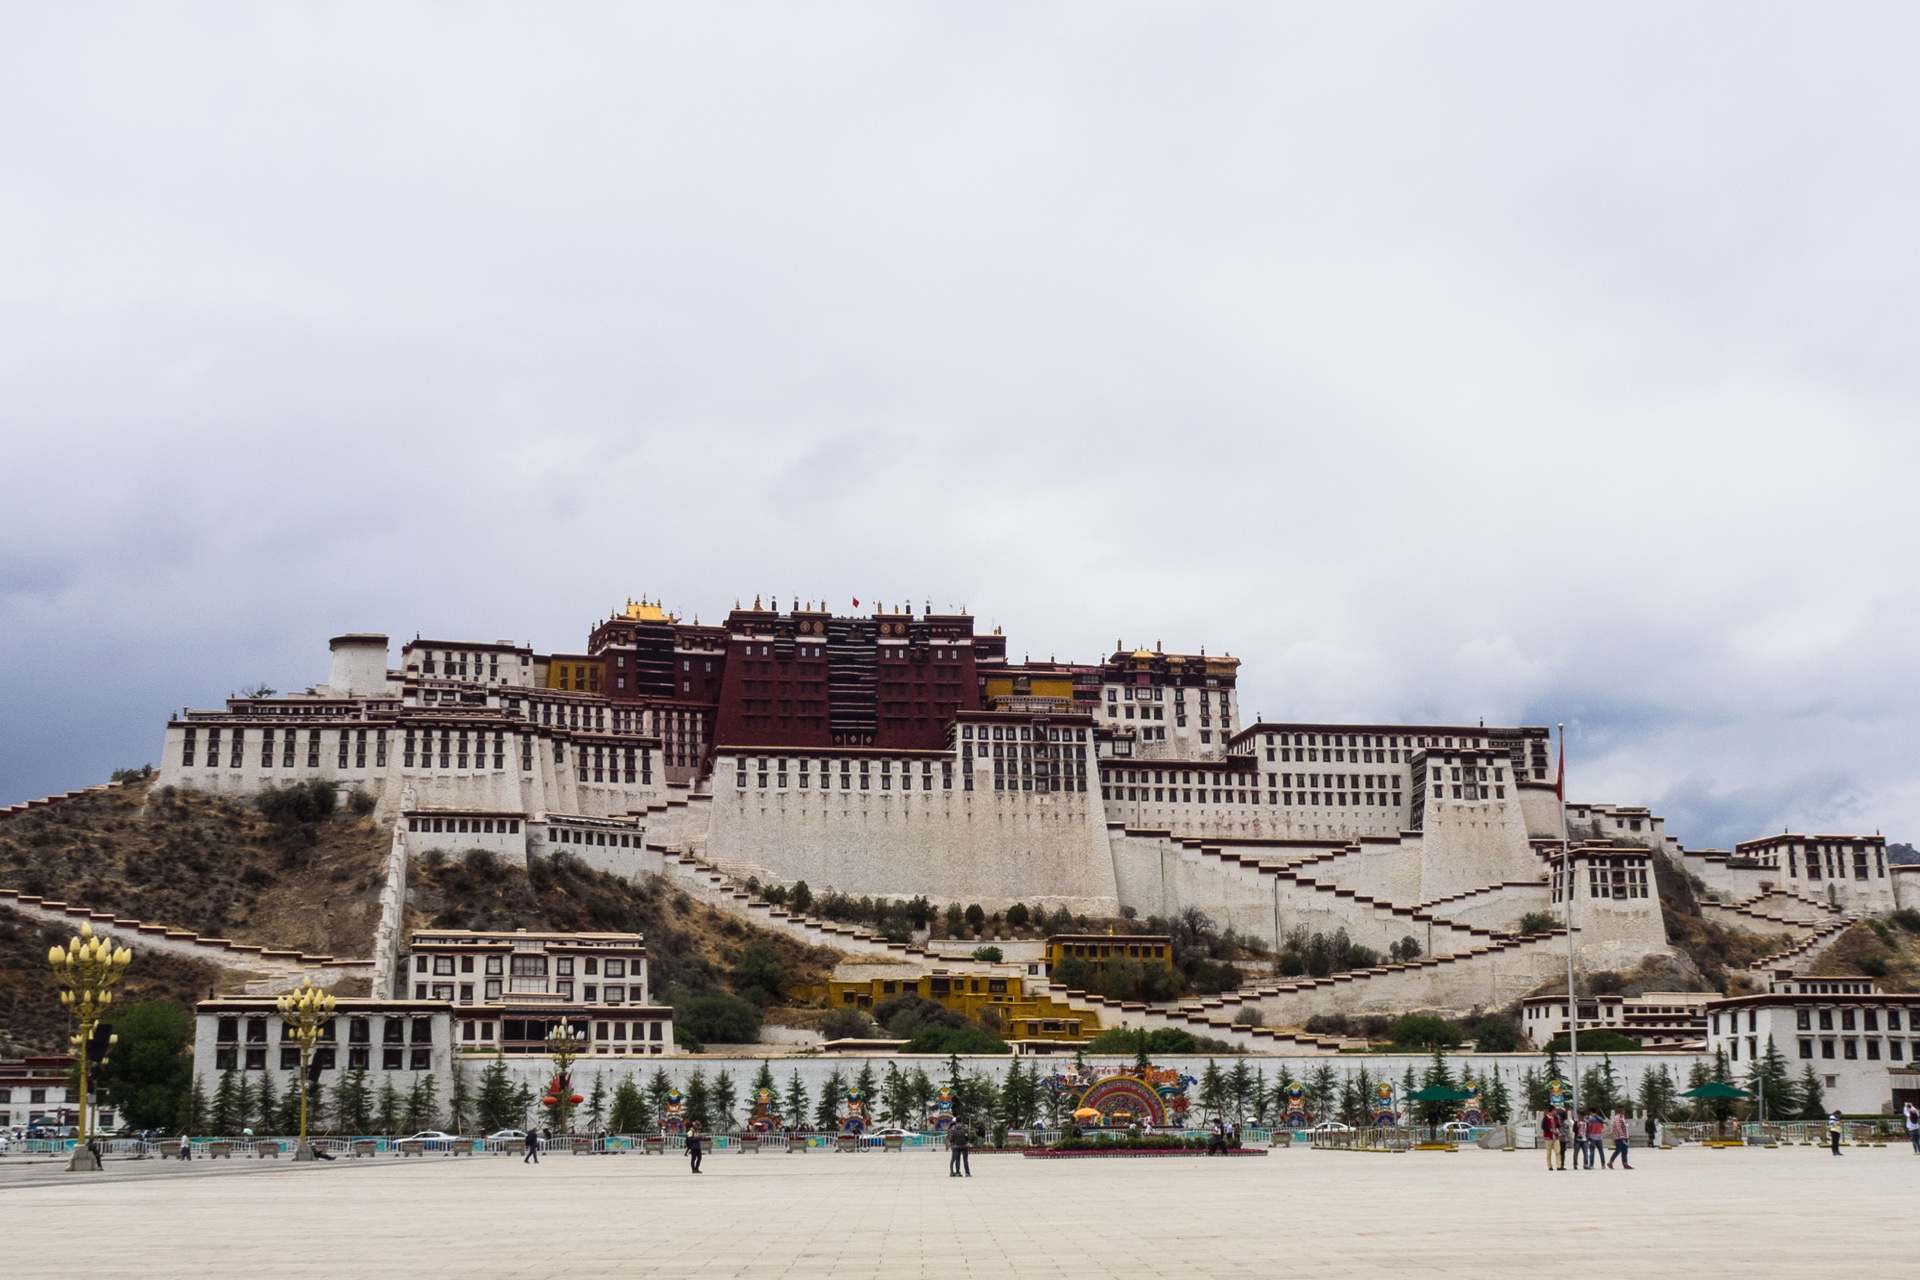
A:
(85, 968)
(303, 1012)
(563, 1047)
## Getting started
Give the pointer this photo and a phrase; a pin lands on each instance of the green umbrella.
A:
(1441, 1093)
(1715, 1089)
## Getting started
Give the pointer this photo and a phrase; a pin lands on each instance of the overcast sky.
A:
(1540, 363)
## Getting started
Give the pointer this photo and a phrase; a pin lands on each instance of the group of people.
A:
(1588, 1135)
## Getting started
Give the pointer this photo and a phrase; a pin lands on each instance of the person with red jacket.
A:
(1554, 1135)
(1617, 1130)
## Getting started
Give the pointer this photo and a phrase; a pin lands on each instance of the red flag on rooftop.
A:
(856, 602)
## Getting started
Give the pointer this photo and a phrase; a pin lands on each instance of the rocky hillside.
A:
(689, 944)
(32, 1020)
(213, 866)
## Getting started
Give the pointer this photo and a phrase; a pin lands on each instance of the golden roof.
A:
(646, 610)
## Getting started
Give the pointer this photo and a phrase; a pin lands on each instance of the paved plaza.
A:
(1792, 1212)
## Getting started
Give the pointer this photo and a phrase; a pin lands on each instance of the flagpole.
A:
(1567, 881)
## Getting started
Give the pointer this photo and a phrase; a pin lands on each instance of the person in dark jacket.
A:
(693, 1146)
(958, 1140)
(531, 1145)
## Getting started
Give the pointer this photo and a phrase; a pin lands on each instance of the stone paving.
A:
(1795, 1211)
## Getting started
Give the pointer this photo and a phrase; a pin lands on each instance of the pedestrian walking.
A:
(1217, 1145)
(186, 1146)
(693, 1146)
(958, 1141)
(1596, 1136)
(1617, 1130)
(1833, 1132)
(531, 1147)
(1913, 1126)
(1550, 1138)
(1653, 1130)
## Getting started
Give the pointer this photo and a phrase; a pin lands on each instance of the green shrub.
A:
(715, 1018)
(1537, 922)
(758, 973)
(297, 803)
(1496, 1035)
(1166, 1040)
(1417, 1032)
(1597, 1041)
(845, 1024)
(951, 1040)
(1907, 918)
(1017, 915)
(991, 954)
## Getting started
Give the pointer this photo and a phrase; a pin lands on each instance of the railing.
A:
(1372, 1139)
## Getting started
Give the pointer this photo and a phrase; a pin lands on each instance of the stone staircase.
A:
(1808, 949)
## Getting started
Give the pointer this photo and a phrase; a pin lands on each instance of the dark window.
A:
(390, 1059)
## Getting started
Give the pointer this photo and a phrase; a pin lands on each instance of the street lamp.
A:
(303, 1011)
(563, 1047)
(85, 968)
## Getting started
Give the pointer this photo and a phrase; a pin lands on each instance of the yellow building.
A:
(1022, 1013)
(1102, 949)
(574, 671)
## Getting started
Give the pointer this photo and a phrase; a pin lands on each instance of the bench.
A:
(653, 1146)
(215, 1150)
(365, 1147)
(262, 1150)
(893, 1142)
(412, 1147)
(170, 1150)
(846, 1142)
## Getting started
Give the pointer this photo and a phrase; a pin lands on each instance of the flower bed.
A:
(1119, 1151)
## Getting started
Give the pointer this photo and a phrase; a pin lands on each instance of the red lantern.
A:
(549, 1101)
(575, 1100)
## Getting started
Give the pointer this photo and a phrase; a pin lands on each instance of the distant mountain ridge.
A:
(1902, 853)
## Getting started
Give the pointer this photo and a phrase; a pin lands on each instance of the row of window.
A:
(1221, 795)
(466, 826)
(1624, 878)
(480, 1031)
(351, 743)
(866, 776)
(40, 1095)
(492, 991)
(359, 1030)
(573, 835)
(1849, 1049)
(525, 965)
(1026, 733)
(232, 1058)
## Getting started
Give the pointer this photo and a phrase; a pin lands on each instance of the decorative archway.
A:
(1123, 1100)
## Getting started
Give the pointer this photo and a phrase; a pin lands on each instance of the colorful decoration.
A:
(1148, 1096)
(764, 1118)
(942, 1118)
(672, 1122)
(1556, 1093)
(1471, 1111)
(856, 1120)
(1383, 1114)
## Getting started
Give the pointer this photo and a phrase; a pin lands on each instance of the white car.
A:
(1331, 1126)
(507, 1135)
(1460, 1127)
(892, 1131)
(431, 1135)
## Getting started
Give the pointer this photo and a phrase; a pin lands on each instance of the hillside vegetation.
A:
(217, 867)
(32, 1019)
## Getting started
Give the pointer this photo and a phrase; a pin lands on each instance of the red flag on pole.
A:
(856, 602)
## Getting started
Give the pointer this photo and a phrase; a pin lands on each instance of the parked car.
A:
(893, 1131)
(430, 1135)
(1331, 1126)
(1457, 1128)
(507, 1135)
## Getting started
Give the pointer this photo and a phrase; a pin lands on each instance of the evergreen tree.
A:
(316, 1106)
(896, 1097)
(1437, 1075)
(244, 1104)
(1534, 1086)
(1349, 1100)
(826, 1113)
(266, 1104)
(658, 1087)
(763, 1079)
(193, 1110)
(630, 1109)
(524, 1099)
(1698, 1074)
(1320, 1091)
(1019, 1096)
(795, 1103)
(726, 1100)
(495, 1106)
(1657, 1093)
(1363, 1084)
(224, 1118)
(422, 1109)
(597, 1102)
(1599, 1087)
(386, 1111)
(352, 1104)
(1813, 1103)
(1550, 1070)
(460, 1101)
(868, 1084)
(923, 1092)
(698, 1108)
(287, 1120)
(977, 1101)
(1771, 1083)
(1240, 1089)
(1497, 1098)
(1409, 1083)
(1213, 1090)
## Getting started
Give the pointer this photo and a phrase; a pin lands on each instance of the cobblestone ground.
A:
(1794, 1212)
